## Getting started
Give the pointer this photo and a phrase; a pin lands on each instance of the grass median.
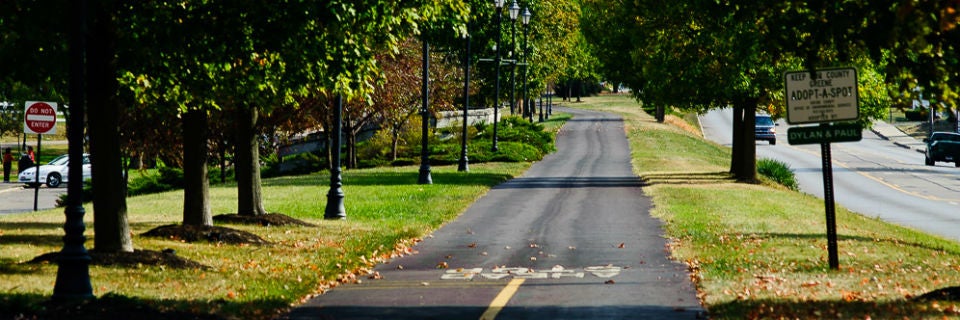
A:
(760, 250)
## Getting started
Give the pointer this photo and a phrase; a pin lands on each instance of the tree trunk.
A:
(196, 184)
(746, 154)
(352, 150)
(111, 227)
(348, 127)
(328, 132)
(580, 89)
(249, 189)
(395, 139)
(223, 160)
(736, 146)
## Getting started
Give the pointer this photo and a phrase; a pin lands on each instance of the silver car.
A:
(54, 173)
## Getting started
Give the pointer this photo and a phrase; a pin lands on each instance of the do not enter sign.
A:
(40, 117)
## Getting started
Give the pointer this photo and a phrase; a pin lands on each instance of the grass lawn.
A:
(387, 213)
(759, 251)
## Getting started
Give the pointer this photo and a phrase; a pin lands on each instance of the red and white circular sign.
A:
(40, 117)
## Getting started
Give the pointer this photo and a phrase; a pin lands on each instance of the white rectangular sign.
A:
(830, 97)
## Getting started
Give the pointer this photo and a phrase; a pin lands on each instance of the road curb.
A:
(879, 134)
(895, 142)
(10, 189)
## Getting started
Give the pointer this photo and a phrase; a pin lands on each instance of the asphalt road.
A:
(15, 198)
(570, 239)
(873, 177)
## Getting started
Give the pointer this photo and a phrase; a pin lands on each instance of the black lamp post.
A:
(525, 18)
(514, 11)
(424, 177)
(541, 108)
(496, 93)
(73, 264)
(553, 91)
(463, 165)
(335, 209)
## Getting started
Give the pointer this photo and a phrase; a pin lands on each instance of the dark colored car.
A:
(765, 129)
(944, 147)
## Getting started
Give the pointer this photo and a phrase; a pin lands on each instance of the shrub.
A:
(270, 165)
(536, 137)
(516, 129)
(408, 144)
(372, 163)
(777, 171)
(301, 163)
(916, 115)
(86, 195)
(167, 178)
(519, 140)
(213, 173)
(403, 162)
(507, 151)
(378, 146)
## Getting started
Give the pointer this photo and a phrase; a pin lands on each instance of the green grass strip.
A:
(759, 251)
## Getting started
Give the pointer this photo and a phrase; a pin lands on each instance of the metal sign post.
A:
(36, 176)
(829, 205)
(824, 96)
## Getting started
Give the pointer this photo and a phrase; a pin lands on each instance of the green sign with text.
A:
(824, 133)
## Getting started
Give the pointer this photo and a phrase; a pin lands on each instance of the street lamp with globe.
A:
(514, 11)
(525, 18)
(496, 60)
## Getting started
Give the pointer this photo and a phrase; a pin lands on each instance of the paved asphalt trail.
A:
(570, 239)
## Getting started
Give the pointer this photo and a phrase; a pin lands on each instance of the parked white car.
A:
(54, 173)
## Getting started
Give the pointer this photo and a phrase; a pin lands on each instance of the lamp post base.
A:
(73, 278)
(424, 176)
(335, 209)
(463, 166)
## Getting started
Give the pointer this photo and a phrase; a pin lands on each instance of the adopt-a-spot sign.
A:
(40, 117)
(827, 97)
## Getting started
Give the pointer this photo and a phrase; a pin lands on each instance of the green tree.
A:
(700, 55)
(175, 81)
(556, 43)
(604, 27)
(248, 57)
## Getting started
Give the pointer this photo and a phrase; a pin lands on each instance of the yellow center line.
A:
(880, 180)
(501, 300)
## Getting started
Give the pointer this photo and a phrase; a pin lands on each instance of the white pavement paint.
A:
(557, 272)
